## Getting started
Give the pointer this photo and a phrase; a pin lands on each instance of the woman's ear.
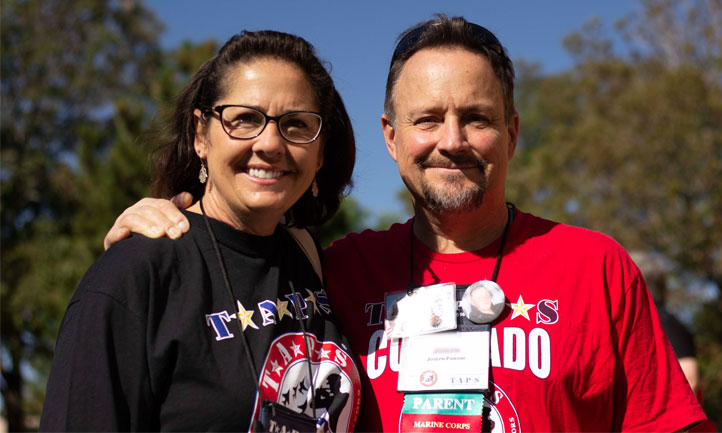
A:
(199, 143)
(319, 163)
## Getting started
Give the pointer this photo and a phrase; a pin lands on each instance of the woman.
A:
(228, 328)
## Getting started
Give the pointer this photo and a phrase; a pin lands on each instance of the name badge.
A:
(428, 309)
(447, 361)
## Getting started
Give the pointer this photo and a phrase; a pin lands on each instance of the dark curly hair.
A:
(176, 164)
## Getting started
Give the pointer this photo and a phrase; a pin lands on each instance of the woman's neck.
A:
(255, 223)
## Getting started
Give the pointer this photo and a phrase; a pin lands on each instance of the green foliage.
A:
(73, 104)
(349, 218)
(708, 339)
(639, 142)
(629, 142)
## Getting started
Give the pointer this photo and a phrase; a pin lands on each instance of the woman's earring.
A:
(314, 189)
(203, 175)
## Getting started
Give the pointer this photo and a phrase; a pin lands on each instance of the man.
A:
(577, 349)
(481, 306)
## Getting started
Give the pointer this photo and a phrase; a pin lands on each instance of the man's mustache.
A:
(461, 161)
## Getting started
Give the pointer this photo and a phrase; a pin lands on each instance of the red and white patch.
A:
(502, 415)
(284, 379)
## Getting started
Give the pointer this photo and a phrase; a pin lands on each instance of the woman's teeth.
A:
(264, 174)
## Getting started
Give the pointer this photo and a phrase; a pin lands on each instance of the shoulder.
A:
(576, 249)
(572, 238)
(129, 271)
(139, 251)
(368, 242)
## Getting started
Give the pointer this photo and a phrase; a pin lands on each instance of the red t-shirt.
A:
(579, 346)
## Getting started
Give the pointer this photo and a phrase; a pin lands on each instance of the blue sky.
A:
(357, 39)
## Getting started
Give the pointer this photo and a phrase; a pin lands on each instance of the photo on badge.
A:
(425, 310)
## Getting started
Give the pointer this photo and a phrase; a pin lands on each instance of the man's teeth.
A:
(264, 174)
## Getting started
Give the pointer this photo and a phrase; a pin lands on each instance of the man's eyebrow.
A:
(478, 106)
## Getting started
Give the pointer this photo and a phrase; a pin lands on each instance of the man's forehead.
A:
(441, 55)
(448, 77)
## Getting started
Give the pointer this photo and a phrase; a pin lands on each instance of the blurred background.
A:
(621, 131)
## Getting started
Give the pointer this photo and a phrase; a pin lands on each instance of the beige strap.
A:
(305, 241)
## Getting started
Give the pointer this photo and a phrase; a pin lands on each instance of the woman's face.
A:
(252, 183)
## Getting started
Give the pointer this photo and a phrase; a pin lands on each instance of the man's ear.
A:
(513, 131)
(199, 143)
(389, 136)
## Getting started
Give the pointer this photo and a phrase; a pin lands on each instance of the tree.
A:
(69, 97)
(349, 218)
(629, 142)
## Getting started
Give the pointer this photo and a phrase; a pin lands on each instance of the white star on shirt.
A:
(322, 353)
(275, 368)
(296, 349)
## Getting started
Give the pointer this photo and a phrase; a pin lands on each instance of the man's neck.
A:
(461, 232)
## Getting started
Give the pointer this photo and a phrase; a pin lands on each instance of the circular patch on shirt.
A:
(285, 379)
(502, 415)
(483, 301)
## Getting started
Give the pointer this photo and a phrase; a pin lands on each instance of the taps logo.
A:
(334, 378)
(503, 417)
(428, 378)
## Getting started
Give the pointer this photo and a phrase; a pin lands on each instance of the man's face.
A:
(481, 299)
(450, 139)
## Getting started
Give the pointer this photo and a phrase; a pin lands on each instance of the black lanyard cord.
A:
(244, 340)
(227, 282)
(511, 214)
(308, 357)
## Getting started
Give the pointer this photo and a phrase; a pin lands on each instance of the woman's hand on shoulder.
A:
(152, 217)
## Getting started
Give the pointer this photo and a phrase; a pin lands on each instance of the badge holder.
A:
(423, 310)
(445, 375)
(278, 418)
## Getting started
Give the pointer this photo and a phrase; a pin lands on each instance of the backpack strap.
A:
(308, 246)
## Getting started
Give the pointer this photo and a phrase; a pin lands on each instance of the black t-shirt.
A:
(151, 339)
(678, 334)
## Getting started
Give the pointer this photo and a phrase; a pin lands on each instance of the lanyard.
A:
(409, 418)
(511, 214)
(244, 340)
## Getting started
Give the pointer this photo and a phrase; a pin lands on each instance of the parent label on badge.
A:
(426, 310)
(447, 361)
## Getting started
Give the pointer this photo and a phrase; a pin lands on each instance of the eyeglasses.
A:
(411, 38)
(244, 123)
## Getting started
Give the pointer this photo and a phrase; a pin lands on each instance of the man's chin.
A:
(453, 200)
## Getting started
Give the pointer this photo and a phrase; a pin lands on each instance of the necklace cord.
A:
(511, 214)
(308, 358)
(410, 286)
(244, 340)
(226, 281)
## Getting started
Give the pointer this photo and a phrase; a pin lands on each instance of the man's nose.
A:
(452, 138)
